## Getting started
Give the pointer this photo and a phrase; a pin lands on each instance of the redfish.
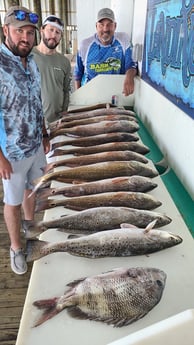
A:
(94, 119)
(98, 128)
(129, 183)
(97, 139)
(116, 146)
(96, 158)
(136, 200)
(98, 171)
(118, 297)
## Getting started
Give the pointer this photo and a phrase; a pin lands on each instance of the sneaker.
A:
(18, 262)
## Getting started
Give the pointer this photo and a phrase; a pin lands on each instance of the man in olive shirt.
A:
(55, 69)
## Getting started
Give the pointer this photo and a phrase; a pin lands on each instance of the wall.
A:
(171, 128)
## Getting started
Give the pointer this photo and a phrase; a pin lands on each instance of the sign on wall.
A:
(168, 62)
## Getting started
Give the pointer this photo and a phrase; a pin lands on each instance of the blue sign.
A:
(168, 61)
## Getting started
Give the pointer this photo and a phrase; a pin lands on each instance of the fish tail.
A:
(49, 307)
(31, 228)
(44, 204)
(35, 249)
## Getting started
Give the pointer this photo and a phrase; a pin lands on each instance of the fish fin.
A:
(77, 313)
(35, 249)
(150, 226)
(50, 306)
(70, 237)
(78, 181)
(127, 225)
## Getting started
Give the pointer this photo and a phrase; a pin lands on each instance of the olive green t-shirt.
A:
(55, 73)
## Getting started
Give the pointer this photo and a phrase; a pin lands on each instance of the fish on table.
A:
(96, 158)
(72, 115)
(125, 241)
(138, 200)
(133, 183)
(97, 171)
(98, 128)
(117, 297)
(97, 139)
(86, 121)
(113, 146)
(96, 219)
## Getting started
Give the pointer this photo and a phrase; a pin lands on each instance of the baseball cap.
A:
(106, 13)
(54, 21)
(19, 16)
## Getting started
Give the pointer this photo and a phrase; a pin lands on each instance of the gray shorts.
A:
(24, 173)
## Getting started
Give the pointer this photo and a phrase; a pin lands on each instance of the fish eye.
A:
(159, 283)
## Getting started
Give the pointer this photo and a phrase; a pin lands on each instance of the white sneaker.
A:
(18, 261)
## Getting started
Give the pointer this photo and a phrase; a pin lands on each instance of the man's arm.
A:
(128, 84)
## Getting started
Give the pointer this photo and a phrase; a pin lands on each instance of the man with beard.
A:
(106, 52)
(23, 137)
(55, 69)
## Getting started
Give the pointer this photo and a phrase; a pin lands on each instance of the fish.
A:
(136, 200)
(97, 128)
(95, 219)
(88, 120)
(118, 297)
(97, 171)
(125, 241)
(116, 146)
(96, 158)
(133, 183)
(97, 139)
(72, 114)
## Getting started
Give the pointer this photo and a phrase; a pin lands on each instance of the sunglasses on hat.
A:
(54, 20)
(22, 15)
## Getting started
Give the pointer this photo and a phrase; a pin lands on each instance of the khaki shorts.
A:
(24, 173)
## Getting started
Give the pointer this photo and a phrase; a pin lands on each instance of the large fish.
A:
(96, 158)
(98, 128)
(118, 297)
(123, 183)
(136, 200)
(96, 219)
(72, 114)
(97, 139)
(94, 119)
(116, 146)
(98, 171)
(125, 241)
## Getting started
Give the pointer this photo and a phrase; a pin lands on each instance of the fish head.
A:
(165, 238)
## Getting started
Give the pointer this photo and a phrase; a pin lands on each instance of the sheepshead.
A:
(118, 297)
(98, 171)
(129, 183)
(136, 200)
(98, 128)
(116, 146)
(96, 219)
(125, 241)
(94, 119)
(96, 158)
(97, 139)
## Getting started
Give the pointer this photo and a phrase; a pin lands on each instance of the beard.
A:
(18, 50)
(50, 42)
